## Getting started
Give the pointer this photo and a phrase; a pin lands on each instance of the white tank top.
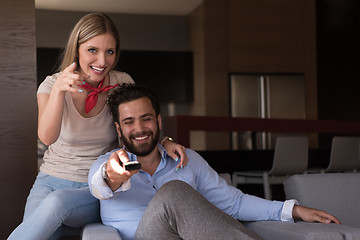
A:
(81, 140)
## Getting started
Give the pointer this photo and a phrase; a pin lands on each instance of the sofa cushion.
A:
(271, 230)
(96, 231)
(335, 193)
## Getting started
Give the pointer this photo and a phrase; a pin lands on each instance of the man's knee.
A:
(171, 193)
(175, 185)
(174, 189)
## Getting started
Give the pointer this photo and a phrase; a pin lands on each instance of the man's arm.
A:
(116, 173)
(117, 177)
(247, 207)
(97, 184)
(229, 199)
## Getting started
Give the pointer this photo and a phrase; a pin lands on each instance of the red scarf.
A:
(92, 98)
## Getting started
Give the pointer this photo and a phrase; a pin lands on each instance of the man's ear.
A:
(118, 129)
(159, 122)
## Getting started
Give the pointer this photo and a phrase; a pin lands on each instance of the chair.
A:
(344, 156)
(290, 157)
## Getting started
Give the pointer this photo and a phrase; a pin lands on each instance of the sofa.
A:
(336, 193)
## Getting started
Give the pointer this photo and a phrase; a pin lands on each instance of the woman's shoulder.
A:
(117, 77)
(46, 85)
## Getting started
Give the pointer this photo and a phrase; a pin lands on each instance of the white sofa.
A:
(336, 193)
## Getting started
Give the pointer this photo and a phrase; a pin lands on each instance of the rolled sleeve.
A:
(101, 189)
(286, 213)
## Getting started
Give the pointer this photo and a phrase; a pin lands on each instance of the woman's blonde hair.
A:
(89, 26)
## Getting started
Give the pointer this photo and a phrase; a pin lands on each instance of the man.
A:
(147, 204)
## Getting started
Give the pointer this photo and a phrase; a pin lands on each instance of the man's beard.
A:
(141, 149)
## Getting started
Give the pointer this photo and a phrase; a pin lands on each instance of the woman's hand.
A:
(69, 79)
(175, 151)
(313, 215)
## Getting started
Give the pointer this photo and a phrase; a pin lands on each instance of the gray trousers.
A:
(177, 211)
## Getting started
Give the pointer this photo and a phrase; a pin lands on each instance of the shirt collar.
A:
(164, 157)
(162, 151)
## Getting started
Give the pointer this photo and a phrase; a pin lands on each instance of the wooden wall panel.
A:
(18, 137)
(216, 68)
(266, 36)
(216, 57)
(310, 60)
(209, 42)
(196, 44)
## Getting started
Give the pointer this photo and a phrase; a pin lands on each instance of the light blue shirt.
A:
(124, 208)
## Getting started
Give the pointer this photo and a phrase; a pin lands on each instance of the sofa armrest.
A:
(227, 178)
(96, 231)
(270, 230)
(335, 193)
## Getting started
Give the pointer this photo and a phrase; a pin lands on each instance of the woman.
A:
(76, 124)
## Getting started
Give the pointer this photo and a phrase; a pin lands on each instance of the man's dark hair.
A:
(128, 92)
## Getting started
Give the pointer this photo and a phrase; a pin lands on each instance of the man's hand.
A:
(115, 171)
(313, 215)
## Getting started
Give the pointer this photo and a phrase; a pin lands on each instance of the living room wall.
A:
(240, 36)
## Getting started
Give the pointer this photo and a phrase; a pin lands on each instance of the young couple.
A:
(75, 122)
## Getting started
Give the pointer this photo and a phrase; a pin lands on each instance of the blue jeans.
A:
(55, 202)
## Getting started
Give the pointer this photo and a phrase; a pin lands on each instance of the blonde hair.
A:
(89, 26)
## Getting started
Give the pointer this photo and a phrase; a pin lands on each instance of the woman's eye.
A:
(111, 52)
(92, 50)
